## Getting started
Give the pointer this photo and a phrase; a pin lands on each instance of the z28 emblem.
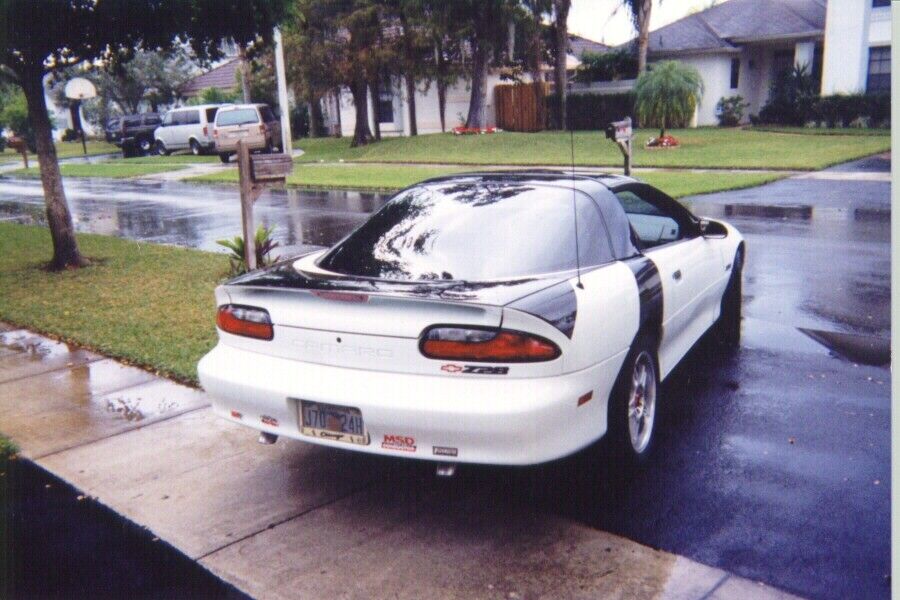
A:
(475, 370)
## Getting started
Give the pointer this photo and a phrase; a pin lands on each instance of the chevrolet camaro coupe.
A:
(503, 318)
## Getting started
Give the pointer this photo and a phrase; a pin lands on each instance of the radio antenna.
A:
(575, 208)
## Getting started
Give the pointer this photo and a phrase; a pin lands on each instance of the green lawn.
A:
(69, 149)
(149, 304)
(172, 159)
(701, 148)
(111, 170)
(386, 178)
(857, 131)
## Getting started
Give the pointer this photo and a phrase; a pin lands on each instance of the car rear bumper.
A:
(491, 421)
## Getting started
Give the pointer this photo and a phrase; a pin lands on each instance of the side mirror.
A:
(712, 229)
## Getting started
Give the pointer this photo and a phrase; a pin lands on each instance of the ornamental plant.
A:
(667, 95)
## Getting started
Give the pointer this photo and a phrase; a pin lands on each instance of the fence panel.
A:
(520, 106)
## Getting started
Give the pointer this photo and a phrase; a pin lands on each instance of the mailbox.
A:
(270, 168)
(618, 131)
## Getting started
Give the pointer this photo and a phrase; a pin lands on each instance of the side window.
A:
(152, 120)
(178, 118)
(191, 117)
(653, 222)
(593, 240)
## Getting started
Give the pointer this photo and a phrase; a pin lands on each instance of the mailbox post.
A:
(256, 173)
(621, 133)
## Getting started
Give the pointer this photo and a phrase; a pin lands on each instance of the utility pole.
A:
(282, 95)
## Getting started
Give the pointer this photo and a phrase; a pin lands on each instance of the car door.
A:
(163, 133)
(690, 267)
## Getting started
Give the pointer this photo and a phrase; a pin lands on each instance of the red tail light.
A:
(215, 132)
(205, 131)
(486, 345)
(245, 320)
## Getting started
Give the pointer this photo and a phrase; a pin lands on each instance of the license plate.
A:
(333, 422)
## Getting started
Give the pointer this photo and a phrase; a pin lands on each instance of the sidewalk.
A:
(294, 520)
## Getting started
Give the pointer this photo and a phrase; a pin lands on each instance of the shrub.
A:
(792, 97)
(2, 143)
(264, 246)
(70, 135)
(607, 66)
(730, 110)
(667, 95)
(879, 110)
(592, 111)
(843, 110)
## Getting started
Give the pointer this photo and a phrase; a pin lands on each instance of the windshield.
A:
(472, 231)
(240, 116)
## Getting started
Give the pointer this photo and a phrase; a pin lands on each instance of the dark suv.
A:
(134, 133)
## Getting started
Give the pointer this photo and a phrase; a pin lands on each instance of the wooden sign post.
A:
(256, 173)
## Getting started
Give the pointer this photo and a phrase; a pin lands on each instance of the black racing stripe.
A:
(556, 304)
(649, 289)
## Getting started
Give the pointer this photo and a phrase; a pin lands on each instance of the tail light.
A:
(262, 128)
(205, 131)
(246, 321)
(486, 345)
(215, 132)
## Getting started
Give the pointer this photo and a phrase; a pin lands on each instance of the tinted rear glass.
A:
(211, 114)
(240, 116)
(474, 232)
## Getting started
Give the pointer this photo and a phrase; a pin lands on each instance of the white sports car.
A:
(505, 318)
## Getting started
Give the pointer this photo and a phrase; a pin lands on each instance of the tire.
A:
(224, 157)
(196, 148)
(161, 148)
(633, 410)
(270, 147)
(145, 146)
(728, 327)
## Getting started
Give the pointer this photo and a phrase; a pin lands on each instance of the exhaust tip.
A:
(446, 469)
(267, 439)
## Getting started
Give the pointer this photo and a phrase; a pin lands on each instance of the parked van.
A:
(253, 124)
(189, 127)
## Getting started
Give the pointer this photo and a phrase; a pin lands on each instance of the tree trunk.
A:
(475, 118)
(411, 104)
(245, 74)
(441, 82)
(375, 86)
(316, 118)
(339, 129)
(643, 33)
(59, 219)
(561, 41)
(361, 133)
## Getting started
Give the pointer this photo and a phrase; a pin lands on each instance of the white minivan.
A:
(188, 127)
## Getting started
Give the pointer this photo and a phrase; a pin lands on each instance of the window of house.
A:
(385, 108)
(735, 72)
(880, 3)
(879, 79)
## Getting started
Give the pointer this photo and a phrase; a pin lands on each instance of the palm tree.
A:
(667, 95)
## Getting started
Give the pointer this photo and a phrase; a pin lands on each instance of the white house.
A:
(739, 47)
(392, 110)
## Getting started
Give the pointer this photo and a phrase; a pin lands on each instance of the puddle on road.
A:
(792, 212)
(863, 349)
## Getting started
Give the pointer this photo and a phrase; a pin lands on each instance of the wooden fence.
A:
(521, 106)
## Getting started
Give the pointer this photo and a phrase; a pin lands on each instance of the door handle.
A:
(677, 275)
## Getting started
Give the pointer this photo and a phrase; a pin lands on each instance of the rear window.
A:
(131, 121)
(211, 114)
(240, 116)
(473, 232)
(152, 120)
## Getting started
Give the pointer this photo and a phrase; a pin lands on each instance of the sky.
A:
(608, 21)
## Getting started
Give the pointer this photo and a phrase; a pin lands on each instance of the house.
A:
(740, 46)
(392, 110)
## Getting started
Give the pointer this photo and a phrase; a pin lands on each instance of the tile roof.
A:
(579, 45)
(222, 77)
(736, 21)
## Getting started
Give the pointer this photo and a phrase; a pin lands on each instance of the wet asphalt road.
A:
(773, 463)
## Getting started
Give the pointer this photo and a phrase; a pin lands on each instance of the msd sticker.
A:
(403, 443)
